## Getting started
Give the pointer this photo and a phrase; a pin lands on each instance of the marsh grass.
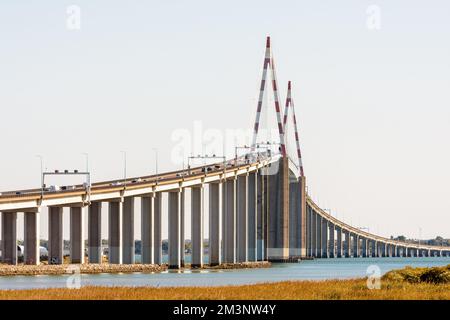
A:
(408, 283)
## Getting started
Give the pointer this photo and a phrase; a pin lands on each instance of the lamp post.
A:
(124, 167)
(42, 176)
(155, 150)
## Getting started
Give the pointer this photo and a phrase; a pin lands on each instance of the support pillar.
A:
(331, 243)
(9, 237)
(324, 242)
(128, 255)
(229, 225)
(174, 229)
(32, 237)
(356, 246)
(242, 218)
(95, 232)
(55, 235)
(77, 216)
(339, 243)
(157, 249)
(197, 226)
(347, 244)
(252, 216)
(115, 217)
(147, 226)
(215, 224)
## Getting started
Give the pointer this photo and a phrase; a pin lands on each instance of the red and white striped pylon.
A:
(290, 102)
(269, 61)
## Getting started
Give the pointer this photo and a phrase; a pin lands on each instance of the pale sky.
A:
(371, 88)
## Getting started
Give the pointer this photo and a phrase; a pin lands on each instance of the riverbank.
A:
(45, 269)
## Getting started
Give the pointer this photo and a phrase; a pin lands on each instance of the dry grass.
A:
(407, 283)
(323, 290)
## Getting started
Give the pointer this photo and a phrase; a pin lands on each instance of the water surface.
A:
(319, 269)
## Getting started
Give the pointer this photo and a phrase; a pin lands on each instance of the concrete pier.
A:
(174, 207)
(229, 224)
(95, 232)
(324, 242)
(215, 224)
(182, 236)
(55, 235)
(115, 215)
(157, 249)
(147, 225)
(364, 248)
(242, 219)
(261, 206)
(31, 237)
(331, 242)
(294, 219)
(355, 246)
(252, 216)
(339, 243)
(278, 237)
(77, 218)
(128, 231)
(314, 241)
(197, 194)
(9, 237)
(348, 243)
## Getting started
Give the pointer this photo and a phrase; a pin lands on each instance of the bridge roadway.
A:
(258, 210)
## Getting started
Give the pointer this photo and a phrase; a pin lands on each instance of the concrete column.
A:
(147, 226)
(55, 235)
(174, 229)
(157, 249)
(348, 243)
(319, 236)
(95, 232)
(197, 226)
(356, 246)
(308, 232)
(279, 212)
(331, 243)
(365, 248)
(77, 216)
(215, 224)
(302, 235)
(128, 246)
(115, 217)
(261, 205)
(252, 216)
(9, 237)
(242, 219)
(182, 237)
(339, 242)
(229, 231)
(373, 250)
(324, 241)
(31, 237)
(294, 219)
(314, 234)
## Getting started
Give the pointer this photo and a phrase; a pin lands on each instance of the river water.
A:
(319, 269)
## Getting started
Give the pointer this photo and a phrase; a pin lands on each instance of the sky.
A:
(370, 82)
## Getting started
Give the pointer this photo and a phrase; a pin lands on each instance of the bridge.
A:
(258, 207)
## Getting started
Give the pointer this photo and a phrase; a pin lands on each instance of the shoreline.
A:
(91, 268)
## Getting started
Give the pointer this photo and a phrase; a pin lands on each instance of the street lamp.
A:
(42, 176)
(87, 160)
(124, 166)
(155, 150)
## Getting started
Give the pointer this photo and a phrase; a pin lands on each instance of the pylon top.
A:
(268, 42)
